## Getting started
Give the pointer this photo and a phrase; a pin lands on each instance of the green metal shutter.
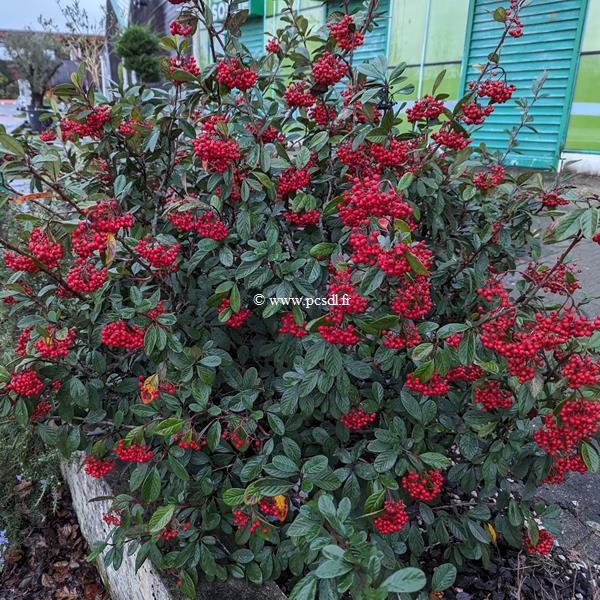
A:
(253, 36)
(551, 39)
(375, 41)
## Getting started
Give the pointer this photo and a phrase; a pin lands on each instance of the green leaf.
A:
(409, 579)
(151, 486)
(233, 496)
(322, 249)
(443, 577)
(11, 145)
(305, 589)
(332, 568)
(590, 457)
(435, 460)
(161, 518)
(416, 265)
(499, 14)
(169, 427)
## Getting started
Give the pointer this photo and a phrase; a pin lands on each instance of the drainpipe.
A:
(424, 49)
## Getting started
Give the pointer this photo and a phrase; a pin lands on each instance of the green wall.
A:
(584, 126)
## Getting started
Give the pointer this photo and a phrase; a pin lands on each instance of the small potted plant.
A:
(36, 58)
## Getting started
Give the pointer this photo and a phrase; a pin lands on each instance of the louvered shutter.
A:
(253, 36)
(551, 39)
(375, 41)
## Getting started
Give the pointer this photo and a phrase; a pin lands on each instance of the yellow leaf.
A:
(149, 390)
(111, 247)
(492, 532)
(282, 507)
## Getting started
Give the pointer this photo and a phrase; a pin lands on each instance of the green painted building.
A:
(560, 37)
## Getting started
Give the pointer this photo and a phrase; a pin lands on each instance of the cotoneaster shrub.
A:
(366, 448)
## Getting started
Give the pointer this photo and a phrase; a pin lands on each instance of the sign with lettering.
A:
(219, 9)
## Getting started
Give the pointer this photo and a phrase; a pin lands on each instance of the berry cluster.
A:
(85, 277)
(395, 154)
(289, 325)
(97, 467)
(21, 347)
(216, 153)
(291, 180)
(580, 371)
(513, 23)
(275, 507)
(322, 114)
(491, 396)
(159, 256)
(107, 217)
(267, 134)
(413, 300)
(208, 225)
(366, 199)
(408, 338)
(563, 465)
(273, 46)
(345, 34)
(85, 240)
(296, 97)
(182, 63)
(55, 344)
(340, 336)
(92, 125)
(134, 453)
(233, 74)
(427, 108)
(435, 386)
(180, 28)
(344, 299)
(306, 219)
(524, 345)
(561, 279)
(112, 518)
(454, 340)
(455, 140)
(475, 114)
(357, 419)
(167, 534)
(47, 252)
(577, 421)
(393, 518)
(465, 373)
(328, 70)
(552, 199)
(25, 382)
(18, 262)
(49, 135)
(487, 180)
(396, 261)
(41, 409)
(544, 545)
(495, 89)
(121, 335)
(132, 126)
(189, 444)
(423, 486)
(235, 319)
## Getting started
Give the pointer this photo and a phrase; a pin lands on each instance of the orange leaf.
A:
(37, 196)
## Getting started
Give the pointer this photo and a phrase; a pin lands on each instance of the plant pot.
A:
(33, 117)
